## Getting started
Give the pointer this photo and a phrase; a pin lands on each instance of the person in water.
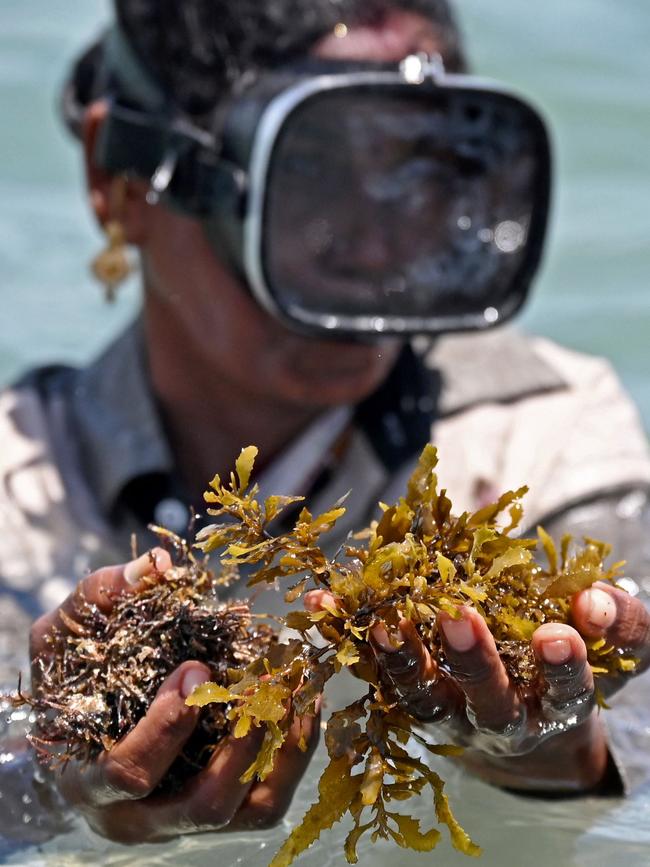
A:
(330, 214)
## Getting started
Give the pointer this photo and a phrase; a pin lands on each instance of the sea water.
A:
(514, 831)
(586, 64)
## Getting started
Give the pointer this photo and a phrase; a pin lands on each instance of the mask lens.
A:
(408, 205)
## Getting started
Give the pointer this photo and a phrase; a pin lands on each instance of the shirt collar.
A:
(294, 469)
(122, 438)
(116, 419)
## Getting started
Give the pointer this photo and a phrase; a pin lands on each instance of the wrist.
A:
(573, 762)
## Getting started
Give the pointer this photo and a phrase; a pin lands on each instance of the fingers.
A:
(622, 619)
(562, 656)
(137, 763)
(100, 589)
(268, 801)
(317, 600)
(493, 704)
(409, 667)
(207, 802)
(216, 799)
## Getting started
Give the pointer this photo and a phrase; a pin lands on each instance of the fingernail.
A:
(459, 633)
(601, 610)
(311, 601)
(382, 639)
(137, 569)
(191, 679)
(556, 652)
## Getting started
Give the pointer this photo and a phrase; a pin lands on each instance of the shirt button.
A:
(173, 515)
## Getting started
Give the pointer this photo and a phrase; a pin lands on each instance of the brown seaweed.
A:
(97, 678)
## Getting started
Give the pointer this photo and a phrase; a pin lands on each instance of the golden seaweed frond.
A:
(99, 675)
(418, 559)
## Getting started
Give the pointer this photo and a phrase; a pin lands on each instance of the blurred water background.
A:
(586, 63)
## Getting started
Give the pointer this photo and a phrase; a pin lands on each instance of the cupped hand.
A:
(116, 793)
(543, 737)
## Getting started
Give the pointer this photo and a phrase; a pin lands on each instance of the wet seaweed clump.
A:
(97, 678)
(416, 560)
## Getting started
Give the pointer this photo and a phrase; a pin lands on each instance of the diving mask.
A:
(353, 198)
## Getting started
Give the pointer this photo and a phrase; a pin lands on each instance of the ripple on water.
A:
(588, 832)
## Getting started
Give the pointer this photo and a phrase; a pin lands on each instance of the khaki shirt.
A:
(512, 410)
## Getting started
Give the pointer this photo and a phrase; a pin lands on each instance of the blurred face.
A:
(194, 301)
(369, 244)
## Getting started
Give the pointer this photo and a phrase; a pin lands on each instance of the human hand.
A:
(116, 792)
(545, 737)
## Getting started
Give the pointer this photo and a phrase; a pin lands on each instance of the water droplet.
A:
(629, 585)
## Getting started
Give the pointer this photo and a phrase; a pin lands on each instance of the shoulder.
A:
(578, 370)
(519, 409)
(25, 429)
(43, 544)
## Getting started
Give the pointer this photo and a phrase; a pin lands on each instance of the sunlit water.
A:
(586, 63)
(513, 831)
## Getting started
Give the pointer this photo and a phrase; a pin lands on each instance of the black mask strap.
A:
(397, 418)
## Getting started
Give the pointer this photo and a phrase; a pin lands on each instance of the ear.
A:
(134, 208)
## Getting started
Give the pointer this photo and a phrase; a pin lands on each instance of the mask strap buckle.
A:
(162, 177)
(416, 68)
